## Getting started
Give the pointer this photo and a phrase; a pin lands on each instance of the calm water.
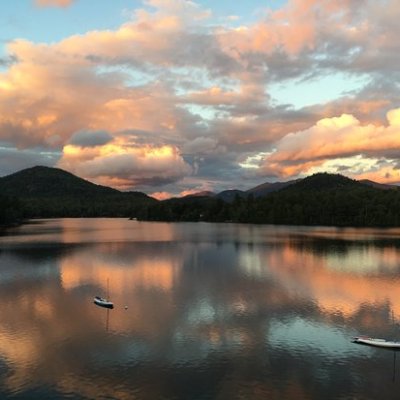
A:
(214, 311)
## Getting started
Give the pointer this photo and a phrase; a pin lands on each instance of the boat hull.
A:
(377, 342)
(103, 302)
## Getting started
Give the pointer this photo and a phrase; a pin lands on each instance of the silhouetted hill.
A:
(53, 192)
(377, 185)
(320, 199)
(330, 199)
(230, 195)
(322, 182)
(45, 181)
(266, 188)
(319, 181)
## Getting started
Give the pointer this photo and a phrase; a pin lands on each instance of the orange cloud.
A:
(123, 163)
(335, 138)
(161, 195)
(385, 174)
(293, 28)
(55, 90)
(53, 3)
(51, 94)
(180, 83)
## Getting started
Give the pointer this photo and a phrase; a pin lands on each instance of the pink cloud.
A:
(161, 195)
(168, 79)
(122, 163)
(53, 3)
(337, 138)
(292, 28)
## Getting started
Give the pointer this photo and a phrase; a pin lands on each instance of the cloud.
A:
(337, 138)
(12, 159)
(202, 145)
(90, 139)
(171, 85)
(124, 164)
(53, 3)
(7, 61)
(161, 195)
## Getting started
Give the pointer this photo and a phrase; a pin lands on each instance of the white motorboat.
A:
(103, 302)
(377, 342)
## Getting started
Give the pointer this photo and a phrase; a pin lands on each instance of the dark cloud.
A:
(91, 139)
(12, 159)
(7, 61)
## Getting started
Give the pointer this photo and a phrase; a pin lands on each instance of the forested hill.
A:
(327, 199)
(45, 181)
(321, 199)
(324, 182)
(52, 192)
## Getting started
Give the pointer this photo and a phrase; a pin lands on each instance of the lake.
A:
(202, 311)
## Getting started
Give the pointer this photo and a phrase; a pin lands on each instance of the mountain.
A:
(230, 195)
(320, 199)
(331, 199)
(323, 182)
(318, 181)
(267, 188)
(258, 191)
(378, 185)
(53, 192)
(45, 181)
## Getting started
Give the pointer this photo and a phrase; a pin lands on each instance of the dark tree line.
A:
(11, 210)
(356, 206)
(94, 205)
(322, 199)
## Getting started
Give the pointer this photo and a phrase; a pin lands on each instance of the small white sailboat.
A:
(100, 301)
(376, 342)
(103, 302)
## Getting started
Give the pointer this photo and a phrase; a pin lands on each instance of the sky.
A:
(172, 97)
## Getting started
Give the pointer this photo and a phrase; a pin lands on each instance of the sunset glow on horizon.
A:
(171, 97)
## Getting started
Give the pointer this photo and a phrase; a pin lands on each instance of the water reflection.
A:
(210, 311)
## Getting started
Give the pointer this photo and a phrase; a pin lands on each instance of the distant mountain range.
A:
(45, 182)
(318, 199)
(267, 188)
